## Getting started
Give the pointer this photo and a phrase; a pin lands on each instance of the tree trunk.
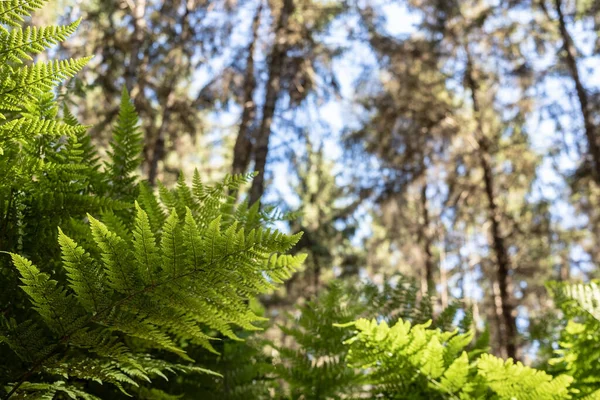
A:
(159, 146)
(426, 241)
(571, 62)
(158, 149)
(276, 61)
(502, 258)
(242, 150)
(508, 326)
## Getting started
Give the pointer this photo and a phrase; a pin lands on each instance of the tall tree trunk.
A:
(508, 326)
(242, 150)
(502, 258)
(426, 241)
(584, 103)
(276, 61)
(159, 146)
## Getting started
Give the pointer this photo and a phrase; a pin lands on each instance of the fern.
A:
(195, 277)
(414, 361)
(13, 11)
(46, 177)
(315, 365)
(125, 153)
(41, 168)
(137, 285)
(19, 44)
(579, 351)
(245, 371)
(128, 282)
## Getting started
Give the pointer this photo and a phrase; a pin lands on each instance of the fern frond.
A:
(414, 358)
(86, 278)
(150, 204)
(49, 391)
(509, 379)
(125, 150)
(57, 308)
(19, 44)
(121, 273)
(157, 291)
(38, 78)
(579, 341)
(145, 249)
(28, 127)
(13, 11)
(578, 298)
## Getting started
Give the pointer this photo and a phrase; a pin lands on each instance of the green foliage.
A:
(49, 171)
(105, 281)
(192, 278)
(127, 283)
(125, 153)
(244, 368)
(413, 361)
(579, 352)
(315, 365)
(403, 354)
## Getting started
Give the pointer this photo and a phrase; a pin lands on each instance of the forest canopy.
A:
(299, 199)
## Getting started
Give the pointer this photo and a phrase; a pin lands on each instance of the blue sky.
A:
(338, 114)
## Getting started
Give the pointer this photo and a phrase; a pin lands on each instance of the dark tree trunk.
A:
(509, 330)
(582, 95)
(242, 151)
(158, 149)
(159, 146)
(426, 241)
(508, 327)
(276, 61)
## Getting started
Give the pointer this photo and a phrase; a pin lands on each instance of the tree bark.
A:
(242, 151)
(158, 149)
(508, 327)
(571, 62)
(426, 241)
(159, 146)
(276, 61)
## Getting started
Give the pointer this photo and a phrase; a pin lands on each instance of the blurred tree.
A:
(155, 48)
(296, 60)
(451, 147)
(325, 213)
(408, 128)
(443, 178)
(570, 56)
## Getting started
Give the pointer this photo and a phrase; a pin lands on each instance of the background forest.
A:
(441, 157)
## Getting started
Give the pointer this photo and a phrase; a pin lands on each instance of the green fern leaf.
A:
(57, 308)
